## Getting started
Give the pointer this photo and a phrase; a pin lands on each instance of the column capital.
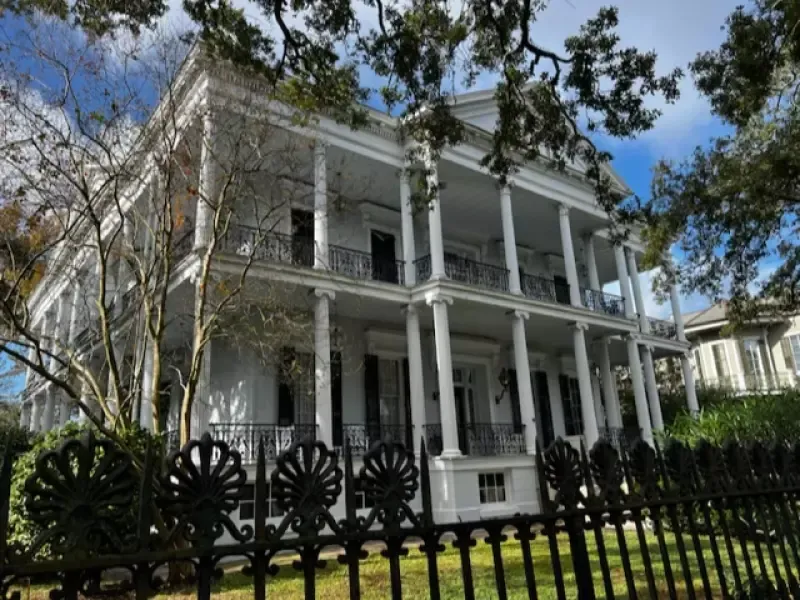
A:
(519, 314)
(432, 298)
(505, 189)
(578, 325)
(405, 175)
(410, 309)
(563, 210)
(632, 336)
(647, 347)
(320, 146)
(324, 293)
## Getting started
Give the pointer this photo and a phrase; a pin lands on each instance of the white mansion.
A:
(479, 325)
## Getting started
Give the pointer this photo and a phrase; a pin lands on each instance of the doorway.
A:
(464, 393)
(562, 289)
(384, 257)
(302, 237)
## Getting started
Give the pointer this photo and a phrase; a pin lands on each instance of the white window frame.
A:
(497, 490)
(252, 502)
(727, 357)
(794, 356)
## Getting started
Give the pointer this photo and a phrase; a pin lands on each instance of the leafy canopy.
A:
(319, 50)
(734, 204)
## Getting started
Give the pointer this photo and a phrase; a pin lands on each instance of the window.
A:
(361, 498)
(571, 401)
(791, 352)
(247, 505)
(492, 487)
(698, 361)
(720, 361)
(389, 391)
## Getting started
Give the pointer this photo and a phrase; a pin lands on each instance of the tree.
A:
(733, 205)
(551, 104)
(98, 198)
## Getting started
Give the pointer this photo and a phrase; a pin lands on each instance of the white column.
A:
(556, 402)
(523, 368)
(651, 385)
(444, 363)
(415, 376)
(613, 412)
(633, 273)
(688, 382)
(63, 411)
(590, 431)
(146, 394)
(322, 365)
(74, 312)
(676, 312)
(44, 340)
(591, 261)
(59, 333)
(407, 225)
(320, 209)
(36, 413)
(435, 223)
(569, 257)
(25, 416)
(599, 412)
(207, 198)
(510, 241)
(622, 276)
(639, 395)
(86, 403)
(49, 408)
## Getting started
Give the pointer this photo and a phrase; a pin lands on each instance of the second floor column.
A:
(676, 312)
(639, 394)
(591, 261)
(207, 196)
(322, 365)
(435, 220)
(48, 417)
(588, 414)
(651, 385)
(25, 416)
(622, 276)
(688, 381)
(415, 376)
(523, 369)
(633, 274)
(146, 394)
(407, 226)
(444, 364)
(509, 241)
(569, 257)
(321, 259)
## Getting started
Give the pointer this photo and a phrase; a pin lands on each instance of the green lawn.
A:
(332, 582)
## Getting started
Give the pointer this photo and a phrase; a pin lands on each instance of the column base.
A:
(450, 454)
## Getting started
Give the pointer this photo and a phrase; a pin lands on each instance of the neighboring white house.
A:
(762, 356)
(480, 324)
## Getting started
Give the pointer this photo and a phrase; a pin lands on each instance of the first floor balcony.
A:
(480, 439)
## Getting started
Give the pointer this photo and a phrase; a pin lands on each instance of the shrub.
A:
(765, 418)
(22, 531)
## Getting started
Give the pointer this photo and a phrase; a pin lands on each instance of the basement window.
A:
(247, 505)
(492, 487)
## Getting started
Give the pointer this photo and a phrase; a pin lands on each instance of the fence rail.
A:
(480, 439)
(245, 438)
(705, 522)
(467, 271)
(600, 301)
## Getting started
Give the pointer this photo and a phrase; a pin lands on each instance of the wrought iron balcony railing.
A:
(245, 437)
(361, 437)
(600, 301)
(466, 270)
(538, 288)
(299, 251)
(480, 439)
(362, 265)
(661, 328)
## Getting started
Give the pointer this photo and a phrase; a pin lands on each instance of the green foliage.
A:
(734, 204)
(766, 418)
(673, 404)
(22, 531)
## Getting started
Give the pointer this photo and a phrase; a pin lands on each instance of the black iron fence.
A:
(706, 522)
(600, 301)
(538, 288)
(661, 328)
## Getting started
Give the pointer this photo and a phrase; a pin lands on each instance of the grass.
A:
(332, 581)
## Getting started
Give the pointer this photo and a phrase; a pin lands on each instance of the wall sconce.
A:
(504, 383)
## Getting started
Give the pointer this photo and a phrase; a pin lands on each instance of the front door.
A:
(302, 237)
(541, 393)
(384, 259)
